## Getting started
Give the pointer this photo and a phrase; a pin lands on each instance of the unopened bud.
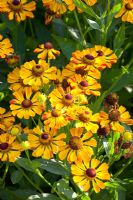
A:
(25, 145)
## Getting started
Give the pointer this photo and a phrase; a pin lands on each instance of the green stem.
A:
(37, 171)
(123, 168)
(98, 145)
(28, 179)
(80, 29)
(34, 121)
(5, 172)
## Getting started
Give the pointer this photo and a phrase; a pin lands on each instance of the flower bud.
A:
(12, 60)
(127, 136)
(25, 145)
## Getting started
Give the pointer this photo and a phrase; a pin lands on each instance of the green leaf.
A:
(16, 176)
(65, 190)
(74, 33)
(44, 196)
(3, 86)
(67, 46)
(87, 9)
(26, 164)
(2, 96)
(85, 197)
(54, 167)
(20, 194)
(43, 35)
(93, 24)
(59, 28)
(114, 185)
(119, 38)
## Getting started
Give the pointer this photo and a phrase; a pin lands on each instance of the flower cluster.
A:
(50, 114)
(57, 102)
(20, 10)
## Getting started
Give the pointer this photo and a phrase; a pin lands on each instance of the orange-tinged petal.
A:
(76, 131)
(100, 183)
(95, 186)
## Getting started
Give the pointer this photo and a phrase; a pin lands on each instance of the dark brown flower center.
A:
(82, 72)
(3, 146)
(68, 99)
(89, 57)
(112, 99)
(44, 136)
(84, 117)
(37, 70)
(75, 143)
(48, 45)
(84, 83)
(114, 115)
(56, 113)
(126, 145)
(56, 82)
(16, 2)
(27, 103)
(90, 172)
(103, 131)
(129, 6)
(100, 53)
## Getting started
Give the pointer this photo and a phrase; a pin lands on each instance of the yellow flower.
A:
(37, 74)
(90, 172)
(60, 80)
(6, 119)
(126, 12)
(90, 2)
(45, 143)
(46, 50)
(88, 86)
(5, 47)
(55, 118)
(56, 6)
(26, 105)
(10, 149)
(79, 146)
(115, 117)
(70, 4)
(86, 119)
(108, 54)
(64, 99)
(87, 59)
(18, 9)
(16, 83)
(71, 69)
